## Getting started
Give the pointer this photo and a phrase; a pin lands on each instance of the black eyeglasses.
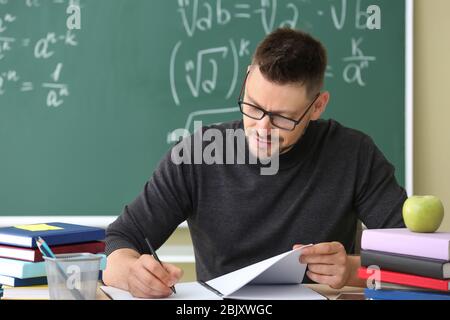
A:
(277, 120)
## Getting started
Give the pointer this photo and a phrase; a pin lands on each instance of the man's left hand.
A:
(328, 263)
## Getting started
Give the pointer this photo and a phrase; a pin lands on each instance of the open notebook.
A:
(276, 278)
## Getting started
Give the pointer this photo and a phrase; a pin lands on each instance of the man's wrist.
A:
(118, 267)
(353, 279)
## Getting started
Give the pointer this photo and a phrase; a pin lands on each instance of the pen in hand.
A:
(157, 259)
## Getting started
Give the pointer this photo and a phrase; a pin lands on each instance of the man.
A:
(329, 177)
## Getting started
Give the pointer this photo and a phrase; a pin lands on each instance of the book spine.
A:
(29, 282)
(22, 270)
(17, 253)
(405, 279)
(17, 241)
(33, 270)
(97, 247)
(403, 295)
(406, 245)
(72, 237)
(403, 264)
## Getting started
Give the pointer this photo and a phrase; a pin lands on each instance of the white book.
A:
(276, 278)
(26, 293)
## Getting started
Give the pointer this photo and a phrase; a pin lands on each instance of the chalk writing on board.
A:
(195, 70)
(48, 46)
(356, 63)
(329, 72)
(43, 50)
(26, 86)
(5, 20)
(339, 14)
(32, 3)
(37, 3)
(5, 45)
(56, 90)
(201, 72)
(202, 16)
(7, 76)
(173, 136)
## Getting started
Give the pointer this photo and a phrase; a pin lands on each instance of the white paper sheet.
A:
(284, 268)
(276, 292)
(185, 291)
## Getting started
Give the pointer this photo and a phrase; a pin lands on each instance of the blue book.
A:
(404, 295)
(25, 269)
(16, 282)
(54, 233)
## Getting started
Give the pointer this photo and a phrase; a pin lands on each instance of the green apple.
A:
(423, 213)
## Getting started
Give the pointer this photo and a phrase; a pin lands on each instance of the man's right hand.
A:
(149, 279)
(141, 275)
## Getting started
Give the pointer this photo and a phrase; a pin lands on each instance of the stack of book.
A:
(21, 262)
(406, 265)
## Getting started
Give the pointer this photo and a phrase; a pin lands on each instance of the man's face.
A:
(289, 100)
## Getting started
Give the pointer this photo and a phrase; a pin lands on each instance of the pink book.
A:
(402, 241)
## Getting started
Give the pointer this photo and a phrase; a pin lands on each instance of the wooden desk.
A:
(100, 294)
(325, 290)
(332, 294)
(328, 292)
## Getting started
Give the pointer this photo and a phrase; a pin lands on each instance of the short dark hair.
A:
(292, 56)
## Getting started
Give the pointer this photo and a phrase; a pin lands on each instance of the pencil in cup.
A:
(157, 259)
(47, 252)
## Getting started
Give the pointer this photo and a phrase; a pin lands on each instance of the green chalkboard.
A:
(85, 115)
